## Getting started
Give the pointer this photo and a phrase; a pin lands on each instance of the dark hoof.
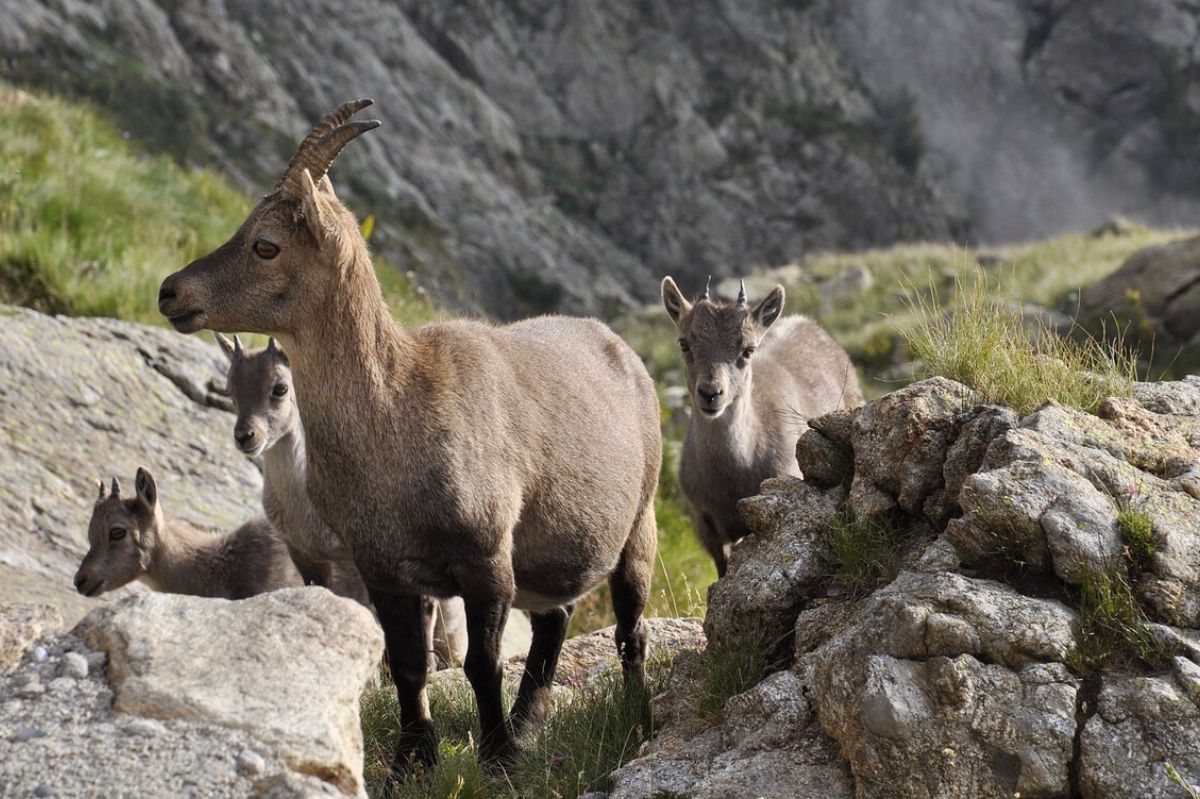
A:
(501, 756)
(416, 750)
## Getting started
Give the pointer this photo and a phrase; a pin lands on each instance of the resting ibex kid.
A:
(753, 381)
(132, 539)
(509, 465)
(268, 425)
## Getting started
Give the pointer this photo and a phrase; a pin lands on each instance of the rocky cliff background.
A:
(564, 156)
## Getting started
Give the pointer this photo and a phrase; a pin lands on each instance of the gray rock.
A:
(75, 665)
(1139, 725)
(55, 449)
(22, 623)
(774, 570)
(1157, 286)
(900, 444)
(164, 649)
(250, 763)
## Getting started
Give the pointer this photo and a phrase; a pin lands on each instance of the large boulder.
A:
(165, 695)
(269, 664)
(1158, 287)
(84, 399)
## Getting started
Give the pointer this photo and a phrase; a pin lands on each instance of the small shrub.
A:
(1112, 625)
(984, 344)
(864, 553)
(730, 667)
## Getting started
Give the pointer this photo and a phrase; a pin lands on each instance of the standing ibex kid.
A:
(753, 381)
(510, 465)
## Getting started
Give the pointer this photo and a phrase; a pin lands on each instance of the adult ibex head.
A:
(260, 385)
(120, 536)
(269, 274)
(718, 339)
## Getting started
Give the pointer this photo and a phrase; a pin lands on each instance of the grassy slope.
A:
(89, 226)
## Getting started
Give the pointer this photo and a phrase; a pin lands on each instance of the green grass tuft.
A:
(592, 730)
(983, 343)
(1137, 531)
(864, 553)
(1112, 625)
(730, 667)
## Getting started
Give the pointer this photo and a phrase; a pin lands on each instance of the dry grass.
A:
(984, 343)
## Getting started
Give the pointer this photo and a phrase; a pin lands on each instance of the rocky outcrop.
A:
(84, 399)
(22, 623)
(165, 695)
(979, 668)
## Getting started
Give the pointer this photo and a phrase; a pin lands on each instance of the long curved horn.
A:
(320, 156)
(331, 122)
(741, 300)
(704, 296)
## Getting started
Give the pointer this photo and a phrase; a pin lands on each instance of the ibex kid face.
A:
(281, 264)
(718, 340)
(118, 537)
(260, 385)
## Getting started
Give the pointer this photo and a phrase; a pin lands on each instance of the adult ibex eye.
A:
(280, 390)
(265, 249)
(117, 533)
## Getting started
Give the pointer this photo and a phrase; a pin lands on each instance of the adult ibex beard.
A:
(509, 465)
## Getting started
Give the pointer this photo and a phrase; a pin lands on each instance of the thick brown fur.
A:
(753, 382)
(133, 539)
(510, 465)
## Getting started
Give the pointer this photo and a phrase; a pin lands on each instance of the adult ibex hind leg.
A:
(533, 697)
(630, 586)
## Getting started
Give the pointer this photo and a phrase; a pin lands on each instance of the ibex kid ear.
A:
(147, 491)
(767, 311)
(226, 345)
(673, 300)
(312, 206)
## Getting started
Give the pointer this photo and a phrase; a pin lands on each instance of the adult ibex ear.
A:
(226, 345)
(673, 300)
(767, 311)
(312, 206)
(147, 491)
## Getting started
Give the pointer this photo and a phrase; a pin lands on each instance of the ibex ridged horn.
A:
(100, 485)
(741, 300)
(238, 351)
(322, 145)
(704, 296)
(116, 488)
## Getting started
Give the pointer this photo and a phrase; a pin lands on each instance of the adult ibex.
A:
(753, 381)
(510, 465)
(268, 426)
(132, 539)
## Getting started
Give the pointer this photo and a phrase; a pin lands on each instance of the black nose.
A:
(166, 292)
(709, 395)
(243, 437)
(79, 581)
